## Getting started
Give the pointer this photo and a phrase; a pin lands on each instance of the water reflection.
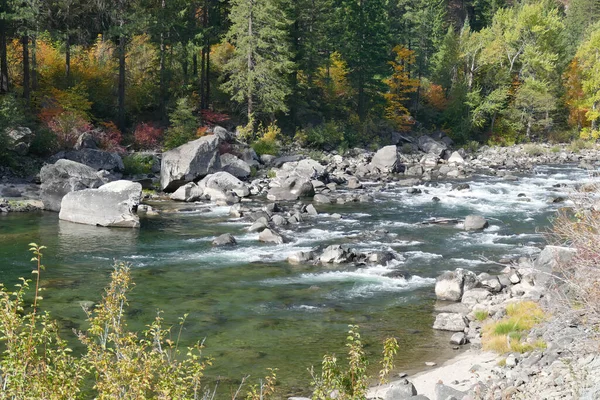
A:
(88, 239)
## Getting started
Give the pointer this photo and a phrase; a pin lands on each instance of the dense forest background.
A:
(322, 73)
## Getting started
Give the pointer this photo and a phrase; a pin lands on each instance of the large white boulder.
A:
(189, 162)
(386, 159)
(65, 176)
(111, 205)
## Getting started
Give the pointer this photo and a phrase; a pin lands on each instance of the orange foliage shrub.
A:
(400, 84)
(434, 95)
(575, 96)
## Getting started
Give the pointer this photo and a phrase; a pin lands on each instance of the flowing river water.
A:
(257, 311)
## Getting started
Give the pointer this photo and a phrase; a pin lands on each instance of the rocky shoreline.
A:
(565, 366)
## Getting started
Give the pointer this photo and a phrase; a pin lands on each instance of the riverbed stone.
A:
(111, 205)
(459, 338)
(336, 254)
(65, 176)
(475, 223)
(270, 236)
(225, 239)
(301, 257)
(453, 322)
(386, 159)
(189, 162)
(188, 192)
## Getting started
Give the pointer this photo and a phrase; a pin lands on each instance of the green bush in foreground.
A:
(37, 363)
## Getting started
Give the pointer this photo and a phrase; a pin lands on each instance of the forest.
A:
(329, 74)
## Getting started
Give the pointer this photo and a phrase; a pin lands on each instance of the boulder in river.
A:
(111, 205)
(475, 223)
(225, 239)
(451, 285)
(270, 236)
(336, 254)
(189, 162)
(456, 158)
(386, 159)
(188, 192)
(292, 189)
(65, 176)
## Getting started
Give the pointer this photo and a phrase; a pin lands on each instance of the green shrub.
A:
(534, 149)
(263, 147)
(184, 125)
(351, 382)
(581, 144)
(327, 136)
(137, 163)
(555, 149)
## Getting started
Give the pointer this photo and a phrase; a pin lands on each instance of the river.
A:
(257, 311)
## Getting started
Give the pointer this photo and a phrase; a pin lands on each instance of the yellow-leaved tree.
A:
(400, 84)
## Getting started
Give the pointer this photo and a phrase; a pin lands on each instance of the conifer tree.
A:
(262, 61)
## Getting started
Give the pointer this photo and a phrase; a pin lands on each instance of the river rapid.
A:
(257, 311)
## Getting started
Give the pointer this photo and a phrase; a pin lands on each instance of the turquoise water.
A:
(254, 309)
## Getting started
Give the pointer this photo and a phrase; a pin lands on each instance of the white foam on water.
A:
(465, 261)
(422, 255)
(315, 235)
(366, 281)
(406, 243)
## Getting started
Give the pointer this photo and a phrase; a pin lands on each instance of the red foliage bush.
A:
(67, 126)
(210, 117)
(109, 137)
(147, 136)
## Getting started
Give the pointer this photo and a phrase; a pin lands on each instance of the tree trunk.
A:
(34, 74)
(162, 108)
(121, 89)
(250, 66)
(68, 59)
(207, 77)
(202, 80)
(195, 64)
(3, 59)
(26, 83)
(595, 120)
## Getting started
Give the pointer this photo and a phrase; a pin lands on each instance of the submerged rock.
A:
(453, 322)
(112, 205)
